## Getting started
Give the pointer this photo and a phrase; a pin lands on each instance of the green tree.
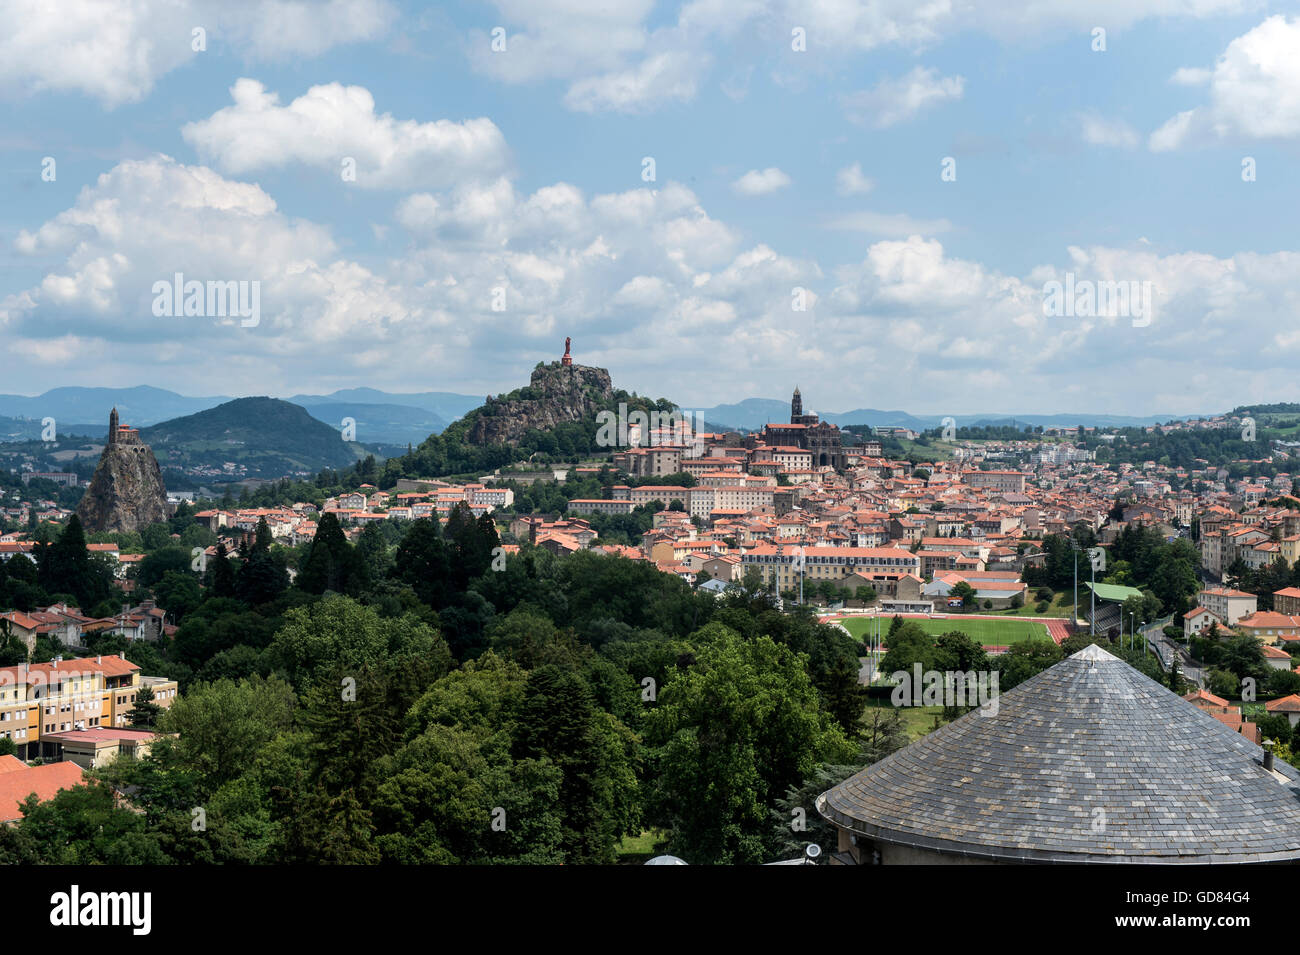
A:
(264, 576)
(178, 593)
(66, 567)
(144, 711)
(597, 756)
(728, 737)
(1024, 660)
(337, 633)
(332, 563)
(221, 575)
(221, 726)
(965, 593)
(795, 820)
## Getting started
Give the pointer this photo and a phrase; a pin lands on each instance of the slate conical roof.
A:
(1088, 761)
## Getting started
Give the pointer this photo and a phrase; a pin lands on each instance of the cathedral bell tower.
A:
(796, 406)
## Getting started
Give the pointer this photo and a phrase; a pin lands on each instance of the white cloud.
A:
(893, 100)
(850, 181)
(670, 76)
(560, 38)
(1101, 131)
(613, 59)
(117, 52)
(1190, 76)
(760, 182)
(332, 122)
(1254, 91)
(1172, 133)
(145, 220)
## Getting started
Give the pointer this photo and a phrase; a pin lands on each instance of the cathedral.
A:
(809, 433)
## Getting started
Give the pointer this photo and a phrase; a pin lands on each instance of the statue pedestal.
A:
(566, 360)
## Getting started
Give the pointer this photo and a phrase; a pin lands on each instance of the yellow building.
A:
(784, 564)
(41, 699)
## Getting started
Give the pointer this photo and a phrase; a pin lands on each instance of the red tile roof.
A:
(1287, 704)
(44, 781)
(1205, 696)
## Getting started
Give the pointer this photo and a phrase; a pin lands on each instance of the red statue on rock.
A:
(566, 360)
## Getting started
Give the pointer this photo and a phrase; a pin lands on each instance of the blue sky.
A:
(775, 169)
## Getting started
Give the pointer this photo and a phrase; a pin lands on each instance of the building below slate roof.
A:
(1086, 762)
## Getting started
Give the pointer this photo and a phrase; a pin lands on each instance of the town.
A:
(916, 558)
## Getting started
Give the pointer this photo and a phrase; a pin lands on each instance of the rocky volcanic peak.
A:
(126, 492)
(556, 394)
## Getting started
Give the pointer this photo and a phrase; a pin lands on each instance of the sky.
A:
(715, 200)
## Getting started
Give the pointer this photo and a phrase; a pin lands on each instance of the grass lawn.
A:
(1061, 604)
(918, 720)
(1000, 632)
(635, 850)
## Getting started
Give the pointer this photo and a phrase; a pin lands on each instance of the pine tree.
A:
(144, 713)
(221, 574)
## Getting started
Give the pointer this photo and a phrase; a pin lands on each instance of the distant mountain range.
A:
(378, 416)
(393, 418)
(753, 413)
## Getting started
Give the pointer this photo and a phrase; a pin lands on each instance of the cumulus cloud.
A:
(1254, 91)
(146, 220)
(762, 182)
(612, 56)
(117, 55)
(1102, 131)
(894, 100)
(850, 181)
(332, 122)
(659, 79)
(617, 269)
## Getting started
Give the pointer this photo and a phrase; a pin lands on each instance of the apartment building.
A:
(595, 505)
(650, 462)
(783, 564)
(1228, 605)
(1270, 626)
(1001, 481)
(40, 700)
(704, 501)
(1287, 601)
(491, 498)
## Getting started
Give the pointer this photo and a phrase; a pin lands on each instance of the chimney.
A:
(1268, 755)
(99, 660)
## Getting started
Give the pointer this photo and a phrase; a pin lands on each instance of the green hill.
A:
(262, 437)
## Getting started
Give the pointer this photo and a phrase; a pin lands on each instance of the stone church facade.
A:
(809, 433)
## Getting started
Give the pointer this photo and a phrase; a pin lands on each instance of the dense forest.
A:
(426, 699)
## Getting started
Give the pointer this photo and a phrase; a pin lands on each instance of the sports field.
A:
(999, 631)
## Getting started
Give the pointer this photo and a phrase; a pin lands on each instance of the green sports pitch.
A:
(990, 633)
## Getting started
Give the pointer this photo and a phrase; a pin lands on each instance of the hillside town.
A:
(1016, 556)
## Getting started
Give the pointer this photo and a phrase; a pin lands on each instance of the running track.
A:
(1057, 627)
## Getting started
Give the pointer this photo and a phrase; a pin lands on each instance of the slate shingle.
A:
(1091, 733)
